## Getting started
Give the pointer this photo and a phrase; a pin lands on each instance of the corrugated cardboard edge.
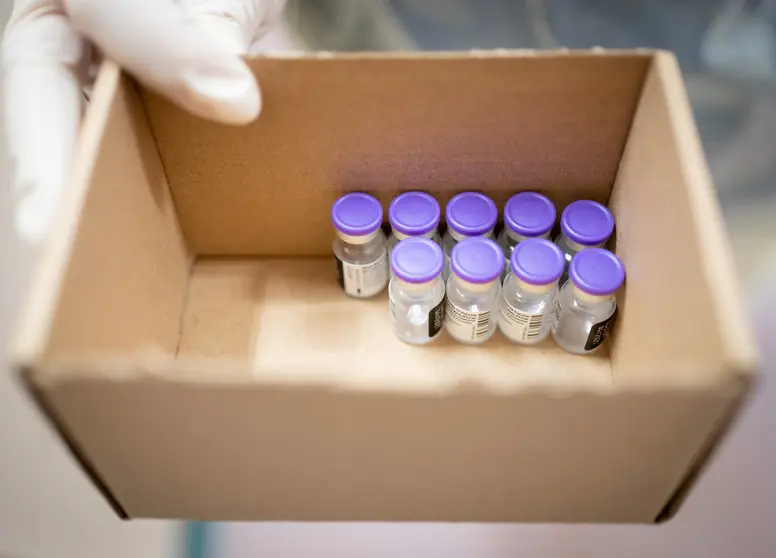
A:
(39, 399)
(32, 331)
(708, 451)
(720, 268)
(33, 328)
(452, 54)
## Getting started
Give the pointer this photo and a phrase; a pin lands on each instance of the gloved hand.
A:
(188, 51)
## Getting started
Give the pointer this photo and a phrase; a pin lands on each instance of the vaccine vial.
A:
(416, 293)
(360, 245)
(413, 214)
(586, 306)
(526, 215)
(530, 290)
(469, 214)
(583, 224)
(474, 290)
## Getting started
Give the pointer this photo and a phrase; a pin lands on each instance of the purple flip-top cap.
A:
(596, 271)
(537, 261)
(357, 214)
(417, 260)
(529, 214)
(477, 260)
(414, 213)
(471, 214)
(587, 222)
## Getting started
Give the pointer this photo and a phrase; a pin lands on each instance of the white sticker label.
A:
(466, 325)
(363, 280)
(518, 325)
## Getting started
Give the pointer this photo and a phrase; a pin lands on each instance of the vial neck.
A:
(402, 236)
(361, 239)
(459, 236)
(590, 298)
(577, 247)
(477, 287)
(517, 237)
(416, 288)
(535, 289)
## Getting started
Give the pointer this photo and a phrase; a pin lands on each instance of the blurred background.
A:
(727, 50)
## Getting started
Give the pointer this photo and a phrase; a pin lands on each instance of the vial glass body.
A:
(527, 311)
(472, 310)
(582, 321)
(417, 310)
(362, 264)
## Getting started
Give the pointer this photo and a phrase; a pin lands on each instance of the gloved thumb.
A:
(172, 53)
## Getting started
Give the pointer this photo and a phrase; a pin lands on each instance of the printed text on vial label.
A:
(462, 324)
(518, 325)
(365, 280)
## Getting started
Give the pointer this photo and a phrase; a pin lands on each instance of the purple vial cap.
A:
(414, 213)
(477, 260)
(471, 214)
(417, 260)
(537, 261)
(596, 271)
(587, 222)
(529, 214)
(357, 214)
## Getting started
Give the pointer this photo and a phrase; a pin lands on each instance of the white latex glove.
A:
(187, 50)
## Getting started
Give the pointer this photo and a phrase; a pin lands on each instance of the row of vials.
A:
(470, 284)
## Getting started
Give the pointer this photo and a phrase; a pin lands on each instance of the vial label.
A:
(565, 276)
(598, 332)
(518, 325)
(463, 324)
(415, 324)
(363, 280)
(436, 318)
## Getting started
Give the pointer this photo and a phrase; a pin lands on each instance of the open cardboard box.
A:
(188, 338)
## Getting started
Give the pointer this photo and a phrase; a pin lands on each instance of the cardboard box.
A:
(188, 338)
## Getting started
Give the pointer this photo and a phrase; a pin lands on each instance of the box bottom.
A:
(291, 322)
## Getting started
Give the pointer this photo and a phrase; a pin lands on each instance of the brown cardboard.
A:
(246, 386)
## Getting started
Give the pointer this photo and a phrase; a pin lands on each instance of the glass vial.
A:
(586, 306)
(416, 293)
(526, 215)
(469, 214)
(474, 290)
(583, 224)
(530, 290)
(413, 214)
(359, 245)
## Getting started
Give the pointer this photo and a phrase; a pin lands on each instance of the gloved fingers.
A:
(43, 58)
(173, 53)
(242, 22)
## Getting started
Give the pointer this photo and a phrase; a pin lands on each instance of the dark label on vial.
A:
(565, 276)
(598, 332)
(436, 318)
(340, 272)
